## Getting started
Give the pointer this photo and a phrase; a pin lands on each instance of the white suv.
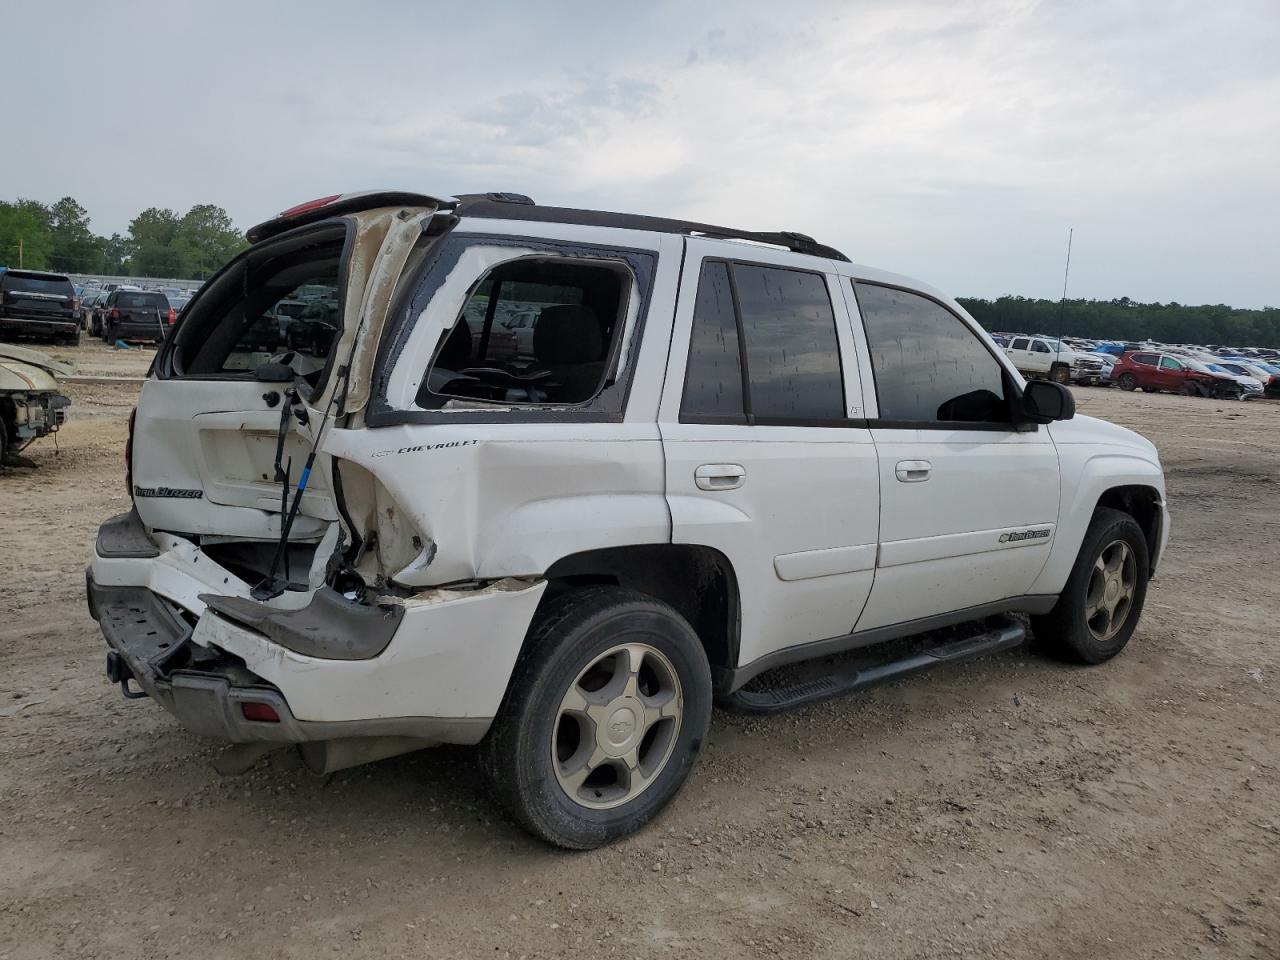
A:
(718, 453)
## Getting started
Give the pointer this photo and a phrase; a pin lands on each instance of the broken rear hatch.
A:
(222, 418)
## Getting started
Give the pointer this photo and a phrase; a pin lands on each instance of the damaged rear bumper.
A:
(437, 676)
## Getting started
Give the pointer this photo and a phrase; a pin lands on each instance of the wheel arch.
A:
(1105, 479)
(697, 581)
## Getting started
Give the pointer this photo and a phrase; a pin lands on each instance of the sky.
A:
(957, 142)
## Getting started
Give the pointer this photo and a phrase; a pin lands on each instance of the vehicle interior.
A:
(532, 331)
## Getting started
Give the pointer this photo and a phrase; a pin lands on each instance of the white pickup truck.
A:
(719, 453)
(1054, 360)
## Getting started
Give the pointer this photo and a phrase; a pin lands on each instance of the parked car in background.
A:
(42, 305)
(1047, 357)
(1163, 372)
(137, 315)
(30, 405)
(1250, 385)
(92, 307)
(1268, 374)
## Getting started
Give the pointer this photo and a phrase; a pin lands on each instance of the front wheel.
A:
(1060, 373)
(605, 714)
(1099, 607)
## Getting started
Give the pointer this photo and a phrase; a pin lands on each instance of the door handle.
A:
(719, 476)
(913, 471)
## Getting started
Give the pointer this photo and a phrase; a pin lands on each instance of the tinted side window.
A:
(793, 357)
(929, 366)
(1146, 359)
(1039, 346)
(713, 378)
(1020, 344)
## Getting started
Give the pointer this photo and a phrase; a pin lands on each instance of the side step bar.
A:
(1004, 636)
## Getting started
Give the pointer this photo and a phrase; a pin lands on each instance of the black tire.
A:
(1065, 631)
(109, 334)
(1127, 381)
(1060, 373)
(1190, 389)
(569, 634)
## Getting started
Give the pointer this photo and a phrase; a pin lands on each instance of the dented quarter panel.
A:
(498, 501)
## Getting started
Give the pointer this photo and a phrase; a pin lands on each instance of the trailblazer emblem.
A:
(1018, 535)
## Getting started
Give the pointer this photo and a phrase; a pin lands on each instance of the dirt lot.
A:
(1013, 807)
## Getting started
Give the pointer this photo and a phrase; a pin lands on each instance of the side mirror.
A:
(1044, 401)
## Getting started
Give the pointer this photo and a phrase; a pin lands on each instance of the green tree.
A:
(115, 255)
(75, 248)
(25, 236)
(208, 239)
(152, 248)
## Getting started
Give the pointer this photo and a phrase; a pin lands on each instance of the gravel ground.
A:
(1010, 807)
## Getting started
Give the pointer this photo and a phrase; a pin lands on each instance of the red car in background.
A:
(1155, 372)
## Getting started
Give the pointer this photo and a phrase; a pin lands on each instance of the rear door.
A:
(968, 501)
(207, 428)
(768, 458)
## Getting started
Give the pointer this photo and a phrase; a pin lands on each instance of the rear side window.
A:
(713, 378)
(1146, 359)
(533, 330)
(1039, 346)
(929, 365)
(778, 326)
(13, 282)
(142, 300)
(1019, 344)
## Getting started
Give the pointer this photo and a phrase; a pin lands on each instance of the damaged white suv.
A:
(417, 470)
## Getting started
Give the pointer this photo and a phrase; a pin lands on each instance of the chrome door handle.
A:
(913, 471)
(719, 476)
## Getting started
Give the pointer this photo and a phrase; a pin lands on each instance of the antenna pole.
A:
(1062, 304)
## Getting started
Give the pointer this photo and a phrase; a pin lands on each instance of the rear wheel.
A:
(605, 714)
(1127, 381)
(1099, 607)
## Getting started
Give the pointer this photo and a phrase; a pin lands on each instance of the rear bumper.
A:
(126, 330)
(440, 678)
(32, 327)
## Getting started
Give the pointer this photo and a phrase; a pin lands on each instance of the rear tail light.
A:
(308, 206)
(259, 712)
(115, 313)
(173, 315)
(75, 304)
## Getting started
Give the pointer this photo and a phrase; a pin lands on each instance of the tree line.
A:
(159, 242)
(1126, 319)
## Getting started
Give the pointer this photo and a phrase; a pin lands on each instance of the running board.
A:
(1004, 636)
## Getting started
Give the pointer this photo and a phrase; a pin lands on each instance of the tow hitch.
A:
(118, 672)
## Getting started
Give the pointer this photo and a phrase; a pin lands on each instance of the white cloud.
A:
(953, 141)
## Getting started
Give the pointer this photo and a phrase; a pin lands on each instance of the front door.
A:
(768, 459)
(968, 501)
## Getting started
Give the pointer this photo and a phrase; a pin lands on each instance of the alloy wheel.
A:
(616, 726)
(1112, 585)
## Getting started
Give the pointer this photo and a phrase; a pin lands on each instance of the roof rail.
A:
(517, 206)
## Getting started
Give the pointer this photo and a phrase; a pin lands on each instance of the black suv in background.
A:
(39, 305)
(137, 315)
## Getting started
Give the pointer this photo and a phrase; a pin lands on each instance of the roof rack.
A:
(517, 206)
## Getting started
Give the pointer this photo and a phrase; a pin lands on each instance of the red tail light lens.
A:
(259, 712)
(173, 315)
(75, 304)
(309, 206)
(115, 313)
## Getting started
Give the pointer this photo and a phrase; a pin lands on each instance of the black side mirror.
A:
(1044, 401)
